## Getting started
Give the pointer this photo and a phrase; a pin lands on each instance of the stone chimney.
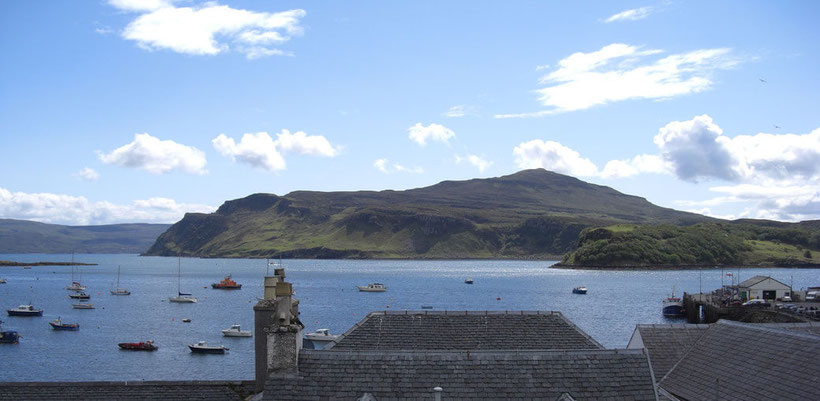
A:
(277, 329)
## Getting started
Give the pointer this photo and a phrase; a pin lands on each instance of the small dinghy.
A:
(579, 290)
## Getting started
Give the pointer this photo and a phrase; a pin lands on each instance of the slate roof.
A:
(743, 361)
(756, 279)
(130, 390)
(475, 375)
(465, 330)
(667, 343)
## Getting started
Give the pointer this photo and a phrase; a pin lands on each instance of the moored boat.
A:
(579, 290)
(321, 335)
(372, 287)
(181, 297)
(469, 280)
(119, 291)
(673, 306)
(83, 305)
(8, 336)
(79, 295)
(203, 348)
(140, 346)
(226, 284)
(25, 310)
(236, 331)
(58, 324)
(2, 281)
(75, 286)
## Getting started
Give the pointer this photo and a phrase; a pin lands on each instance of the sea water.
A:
(326, 289)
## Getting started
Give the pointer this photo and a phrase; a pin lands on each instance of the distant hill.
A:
(737, 243)
(529, 214)
(20, 236)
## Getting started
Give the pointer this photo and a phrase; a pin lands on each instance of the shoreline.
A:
(8, 263)
(684, 267)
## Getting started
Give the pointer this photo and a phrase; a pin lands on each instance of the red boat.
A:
(140, 346)
(226, 284)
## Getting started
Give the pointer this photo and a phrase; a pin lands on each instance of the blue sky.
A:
(139, 111)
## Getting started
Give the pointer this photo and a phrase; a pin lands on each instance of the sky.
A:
(119, 111)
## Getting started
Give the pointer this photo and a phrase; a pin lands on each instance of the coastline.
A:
(685, 267)
(8, 263)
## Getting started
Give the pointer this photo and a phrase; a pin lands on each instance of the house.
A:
(427, 355)
(763, 287)
(730, 360)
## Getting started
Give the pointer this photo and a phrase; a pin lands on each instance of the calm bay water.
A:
(616, 301)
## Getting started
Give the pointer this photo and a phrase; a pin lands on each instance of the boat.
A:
(79, 295)
(140, 346)
(203, 348)
(27, 267)
(372, 287)
(25, 310)
(226, 284)
(673, 306)
(321, 335)
(2, 281)
(8, 336)
(579, 290)
(83, 305)
(119, 291)
(186, 320)
(181, 297)
(75, 285)
(236, 331)
(58, 324)
(469, 280)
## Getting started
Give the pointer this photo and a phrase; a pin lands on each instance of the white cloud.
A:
(697, 149)
(433, 132)
(619, 72)
(87, 174)
(636, 165)
(477, 161)
(157, 156)
(261, 151)
(386, 167)
(553, 156)
(630, 15)
(459, 111)
(77, 210)
(209, 28)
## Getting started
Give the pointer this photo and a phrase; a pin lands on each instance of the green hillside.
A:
(20, 236)
(529, 214)
(742, 242)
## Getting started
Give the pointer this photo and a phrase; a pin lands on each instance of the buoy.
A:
(498, 299)
(388, 306)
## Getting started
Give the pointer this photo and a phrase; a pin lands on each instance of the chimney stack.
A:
(277, 329)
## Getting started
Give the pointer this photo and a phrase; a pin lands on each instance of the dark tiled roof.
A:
(136, 390)
(747, 361)
(667, 343)
(461, 330)
(490, 375)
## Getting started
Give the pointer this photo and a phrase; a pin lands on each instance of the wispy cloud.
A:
(619, 72)
(385, 166)
(77, 210)
(260, 150)
(630, 15)
(476, 161)
(433, 132)
(156, 156)
(87, 174)
(460, 110)
(208, 28)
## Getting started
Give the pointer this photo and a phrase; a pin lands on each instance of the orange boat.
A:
(226, 284)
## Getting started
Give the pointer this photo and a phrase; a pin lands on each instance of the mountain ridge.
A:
(23, 236)
(528, 214)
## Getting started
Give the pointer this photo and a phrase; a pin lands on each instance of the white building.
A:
(762, 287)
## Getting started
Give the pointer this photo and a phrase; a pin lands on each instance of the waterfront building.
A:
(762, 287)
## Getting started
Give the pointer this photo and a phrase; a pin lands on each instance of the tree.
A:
(807, 254)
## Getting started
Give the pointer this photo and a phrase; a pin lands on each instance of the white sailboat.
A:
(75, 285)
(119, 291)
(181, 297)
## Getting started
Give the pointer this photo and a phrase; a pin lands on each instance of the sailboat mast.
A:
(179, 274)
